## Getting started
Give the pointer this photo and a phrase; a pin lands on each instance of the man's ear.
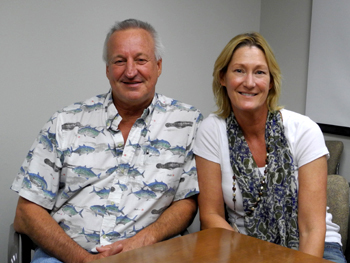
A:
(159, 65)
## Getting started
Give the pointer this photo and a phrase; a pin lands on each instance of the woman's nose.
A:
(249, 81)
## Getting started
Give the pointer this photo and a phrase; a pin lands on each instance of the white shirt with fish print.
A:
(100, 190)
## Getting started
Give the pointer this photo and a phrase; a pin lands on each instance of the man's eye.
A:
(141, 61)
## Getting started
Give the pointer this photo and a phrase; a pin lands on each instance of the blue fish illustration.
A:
(144, 194)
(111, 170)
(63, 154)
(192, 171)
(144, 132)
(93, 237)
(189, 156)
(22, 171)
(181, 107)
(160, 144)
(29, 156)
(52, 137)
(134, 230)
(124, 220)
(123, 187)
(191, 193)
(114, 210)
(174, 102)
(136, 146)
(85, 172)
(157, 186)
(46, 142)
(38, 180)
(90, 131)
(64, 226)
(134, 172)
(124, 167)
(139, 123)
(199, 118)
(99, 210)
(26, 183)
(111, 236)
(158, 107)
(116, 152)
(93, 107)
(170, 192)
(49, 194)
(73, 111)
(103, 193)
(67, 195)
(71, 211)
(51, 119)
(178, 150)
(150, 150)
(67, 152)
(83, 149)
(102, 96)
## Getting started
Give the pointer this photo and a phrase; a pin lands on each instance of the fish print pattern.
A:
(101, 189)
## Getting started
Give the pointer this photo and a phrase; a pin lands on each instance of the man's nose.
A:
(130, 70)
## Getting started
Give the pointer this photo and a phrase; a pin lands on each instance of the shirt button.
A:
(112, 189)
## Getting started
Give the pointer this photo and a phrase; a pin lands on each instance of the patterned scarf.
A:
(275, 217)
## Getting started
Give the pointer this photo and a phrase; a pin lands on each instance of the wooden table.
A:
(213, 245)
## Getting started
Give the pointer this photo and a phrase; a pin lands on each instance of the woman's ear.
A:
(222, 79)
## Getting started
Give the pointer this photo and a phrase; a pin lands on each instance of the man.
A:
(115, 172)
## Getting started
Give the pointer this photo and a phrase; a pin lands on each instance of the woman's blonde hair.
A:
(221, 64)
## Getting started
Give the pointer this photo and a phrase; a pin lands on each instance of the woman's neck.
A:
(253, 128)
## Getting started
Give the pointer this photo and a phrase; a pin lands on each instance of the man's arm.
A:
(34, 221)
(173, 221)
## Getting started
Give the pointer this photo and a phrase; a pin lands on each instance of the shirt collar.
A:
(113, 117)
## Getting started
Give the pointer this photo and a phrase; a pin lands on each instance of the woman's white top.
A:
(306, 143)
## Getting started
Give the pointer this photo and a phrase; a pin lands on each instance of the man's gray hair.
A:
(134, 23)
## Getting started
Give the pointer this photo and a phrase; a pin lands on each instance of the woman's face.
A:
(247, 80)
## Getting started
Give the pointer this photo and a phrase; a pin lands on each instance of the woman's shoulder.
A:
(296, 120)
(213, 119)
(213, 125)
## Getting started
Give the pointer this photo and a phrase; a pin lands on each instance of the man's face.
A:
(132, 68)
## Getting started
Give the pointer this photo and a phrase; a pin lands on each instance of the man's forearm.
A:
(174, 220)
(37, 223)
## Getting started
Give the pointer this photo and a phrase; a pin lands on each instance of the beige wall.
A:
(286, 25)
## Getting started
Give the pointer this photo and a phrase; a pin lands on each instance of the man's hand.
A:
(139, 240)
(172, 222)
(106, 251)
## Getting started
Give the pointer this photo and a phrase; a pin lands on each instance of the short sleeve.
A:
(208, 139)
(305, 138)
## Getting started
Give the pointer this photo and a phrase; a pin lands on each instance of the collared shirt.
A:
(99, 189)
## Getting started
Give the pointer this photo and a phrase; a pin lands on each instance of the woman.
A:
(262, 170)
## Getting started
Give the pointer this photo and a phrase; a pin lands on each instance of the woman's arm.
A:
(312, 206)
(210, 198)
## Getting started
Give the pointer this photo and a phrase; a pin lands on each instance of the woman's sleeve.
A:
(310, 144)
(208, 139)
